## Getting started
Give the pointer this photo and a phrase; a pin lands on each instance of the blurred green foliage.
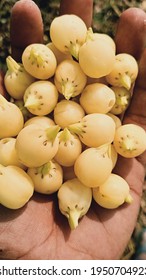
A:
(105, 17)
(106, 14)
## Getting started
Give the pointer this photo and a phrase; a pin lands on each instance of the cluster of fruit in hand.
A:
(61, 130)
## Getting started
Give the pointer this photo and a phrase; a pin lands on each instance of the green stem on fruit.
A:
(67, 89)
(31, 102)
(90, 34)
(76, 128)
(74, 50)
(122, 100)
(65, 135)
(36, 57)
(125, 81)
(51, 132)
(129, 199)
(73, 218)
(44, 169)
(128, 144)
(12, 65)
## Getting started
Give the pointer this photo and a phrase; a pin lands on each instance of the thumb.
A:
(130, 38)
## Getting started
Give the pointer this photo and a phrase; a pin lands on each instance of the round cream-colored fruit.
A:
(68, 112)
(74, 200)
(39, 61)
(93, 166)
(96, 58)
(124, 72)
(8, 154)
(97, 98)
(113, 192)
(16, 187)
(68, 33)
(47, 178)
(130, 140)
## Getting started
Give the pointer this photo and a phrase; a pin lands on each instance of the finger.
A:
(137, 110)
(130, 38)
(81, 8)
(141, 81)
(130, 35)
(136, 114)
(26, 26)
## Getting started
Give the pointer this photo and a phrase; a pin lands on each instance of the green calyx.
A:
(76, 128)
(45, 169)
(90, 34)
(128, 144)
(12, 65)
(125, 81)
(67, 89)
(65, 135)
(129, 199)
(73, 217)
(122, 100)
(74, 50)
(51, 132)
(36, 57)
(32, 102)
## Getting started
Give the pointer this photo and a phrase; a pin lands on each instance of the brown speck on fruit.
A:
(45, 143)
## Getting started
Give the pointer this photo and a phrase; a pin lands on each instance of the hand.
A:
(39, 230)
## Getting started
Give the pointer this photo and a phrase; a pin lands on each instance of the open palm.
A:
(40, 231)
